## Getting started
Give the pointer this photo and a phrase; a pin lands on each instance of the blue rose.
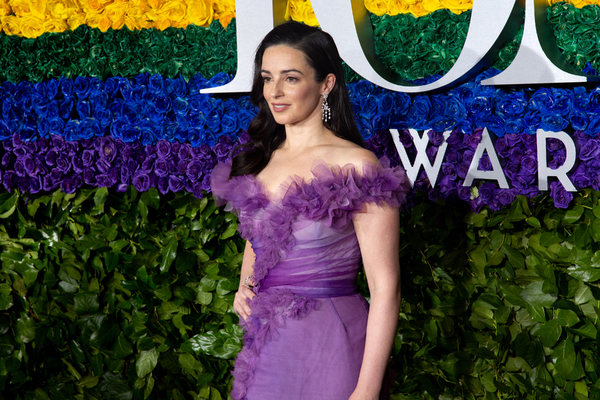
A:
(553, 122)
(176, 87)
(66, 107)
(542, 99)
(579, 120)
(581, 99)
(418, 115)
(244, 118)
(219, 79)
(66, 87)
(196, 83)
(81, 87)
(130, 133)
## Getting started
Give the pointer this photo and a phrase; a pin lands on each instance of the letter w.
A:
(420, 142)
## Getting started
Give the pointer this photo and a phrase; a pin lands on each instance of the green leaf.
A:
(151, 198)
(221, 344)
(169, 252)
(122, 347)
(534, 295)
(25, 329)
(100, 196)
(573, 215)
(146, 362)
(204, 298)
(550, 332)
(564, 357)
(566, 318)
(86, 303)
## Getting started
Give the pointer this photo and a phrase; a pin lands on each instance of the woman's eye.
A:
(266, 78)
(291, 79)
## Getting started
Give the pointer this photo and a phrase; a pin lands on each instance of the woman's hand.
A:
(240, 303)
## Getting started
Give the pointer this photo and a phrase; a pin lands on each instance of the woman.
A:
(311, 202)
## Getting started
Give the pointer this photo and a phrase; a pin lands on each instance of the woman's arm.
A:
(240, 303)
(378, 232)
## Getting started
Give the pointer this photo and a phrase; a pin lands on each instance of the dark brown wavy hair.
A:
(267, 135)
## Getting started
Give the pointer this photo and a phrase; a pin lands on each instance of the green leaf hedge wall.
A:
(105, 295)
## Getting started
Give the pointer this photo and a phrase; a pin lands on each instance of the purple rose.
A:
(163, 149)
(63, 164)
(161, 167)
(175, 184)
(194, 170)
(486, 192)
(108, 149)
(589, 149)
(561, 197)
(529, 164)
(473, 139)
(104, 180)
(162, 184)
(141, 181)
(485, 164)
(89, 176)
(76, 163)
(435, 138)
(67, 185)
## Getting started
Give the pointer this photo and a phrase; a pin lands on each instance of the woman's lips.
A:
(279, 107)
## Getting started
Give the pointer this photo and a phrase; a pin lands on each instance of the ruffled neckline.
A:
(323, 175)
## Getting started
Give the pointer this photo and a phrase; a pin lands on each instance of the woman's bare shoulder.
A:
(346, 152)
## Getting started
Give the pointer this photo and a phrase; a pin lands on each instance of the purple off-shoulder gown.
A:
(306, 335)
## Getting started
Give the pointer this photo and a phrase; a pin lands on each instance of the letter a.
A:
(496, 174)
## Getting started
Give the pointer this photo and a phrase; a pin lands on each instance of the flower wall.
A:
(118, 271)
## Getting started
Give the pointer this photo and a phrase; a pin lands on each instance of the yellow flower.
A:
(104, 24)
(377, 7)
(418, 10)
(430, 6)
(301, 10)
(396, 7)
(200, 12)
(225, 11)
(5, 8)
(20, 7)
(37, 8)
(457, 6)
(175, 11)
(59, 9)
(11, 25)
(76, 19)
(55, 25)
(31, 27)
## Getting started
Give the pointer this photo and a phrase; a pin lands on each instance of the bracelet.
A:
(247, 281)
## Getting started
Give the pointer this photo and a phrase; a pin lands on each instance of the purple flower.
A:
(63, 164)
(435, 138)
(163, 149)
(194, 170)
(108, 149)
(175, 184)
(141, 181)
(104, 180)
(561, 197)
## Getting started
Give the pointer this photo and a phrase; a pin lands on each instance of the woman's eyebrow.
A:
(285, 71)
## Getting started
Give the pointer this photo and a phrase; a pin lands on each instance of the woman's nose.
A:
(276, 89)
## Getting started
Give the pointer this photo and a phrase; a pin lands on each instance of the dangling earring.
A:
(325, 109)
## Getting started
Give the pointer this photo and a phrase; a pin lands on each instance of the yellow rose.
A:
(418, 10)
(5, 8)
(301, 10)
(200, 12)
(175, 11)
(37, 8)
(225, 11)
(457, 6)
(31, 27)
(396, 7)
(430, 6)
(377, 7)
(55, 25)
(20, 7)
(76, 19)
(162, 24)
(118, 23)
(412, 2)
(104, 24)
(11, 25)
(58, 9)
(116, 12)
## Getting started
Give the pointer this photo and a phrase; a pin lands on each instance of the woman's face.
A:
(290, 88)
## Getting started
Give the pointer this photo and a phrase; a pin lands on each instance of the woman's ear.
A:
(329, 83)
